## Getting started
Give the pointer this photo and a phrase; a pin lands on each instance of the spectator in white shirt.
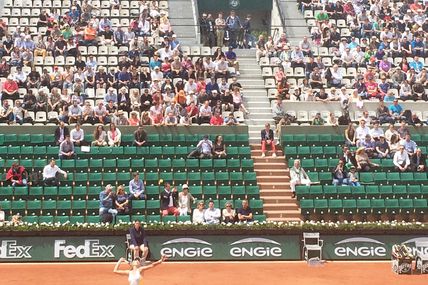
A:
(52, 174)
(362, 130)
(377, 131)
(77, 136)
(205, 113)
(212, 215)
(401, 160)
(190, 86)
(156, 74)
(198, 213)
(203, 149)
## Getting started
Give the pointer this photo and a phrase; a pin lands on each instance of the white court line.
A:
(197, 262)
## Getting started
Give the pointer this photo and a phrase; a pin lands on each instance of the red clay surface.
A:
(250, 273)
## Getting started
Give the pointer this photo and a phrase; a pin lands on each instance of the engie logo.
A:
(90, 249)
(360, 247)
(10, 249)
(256, 247)
(178, 248)
(417, 250)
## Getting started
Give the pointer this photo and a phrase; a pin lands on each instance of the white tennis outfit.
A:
(134, 277)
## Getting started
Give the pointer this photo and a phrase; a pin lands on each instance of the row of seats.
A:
(328, 139)
(363, 206)
(324, 164)
(167, 139)
(67, 3)
(120, 151)
(362, 192)
(91, 207)
(75, 193)
(119, 219)
(119, 164)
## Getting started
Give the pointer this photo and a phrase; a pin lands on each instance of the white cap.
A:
(185, 186)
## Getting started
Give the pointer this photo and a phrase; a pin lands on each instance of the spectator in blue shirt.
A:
(416, 64)
(418, 47)
(136, 188)
(395, 110)
(110, 96)
(409, 145)
(106, 202)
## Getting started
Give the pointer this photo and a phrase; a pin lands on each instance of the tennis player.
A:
(135, 274)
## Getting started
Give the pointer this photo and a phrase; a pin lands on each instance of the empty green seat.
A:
(330, 191)
(363, 206)
(414, 191)
(302, 191)
(349, 206)
(316, 191)
(63, 207)
(392, 206)
(321, 206)
(77, 219)
(335, 206)
(307, 206)
(386, 191)
(406, 206)
(366, 178)
(34, 207)
(378, 205)
(399, 191)
(420, 206)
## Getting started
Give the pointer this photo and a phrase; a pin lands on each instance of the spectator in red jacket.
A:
(17, 175)
(10, 89)
(217, 119)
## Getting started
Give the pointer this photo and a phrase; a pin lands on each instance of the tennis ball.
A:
(160, 181)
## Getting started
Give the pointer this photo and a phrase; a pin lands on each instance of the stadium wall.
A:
(199, 246)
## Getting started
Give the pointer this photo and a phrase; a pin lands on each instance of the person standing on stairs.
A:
(268, 139)
(234, 25)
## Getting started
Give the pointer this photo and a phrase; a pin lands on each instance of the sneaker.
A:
(273, 154)
(237, 73)
(263, 155)
(294, 195)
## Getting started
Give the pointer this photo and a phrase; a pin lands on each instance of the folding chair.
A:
(312, 246)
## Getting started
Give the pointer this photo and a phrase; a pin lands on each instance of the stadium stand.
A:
(76, 200)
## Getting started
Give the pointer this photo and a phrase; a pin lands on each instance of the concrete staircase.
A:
(274, 181)
(255, 94)
(182, 15)
(295, 24)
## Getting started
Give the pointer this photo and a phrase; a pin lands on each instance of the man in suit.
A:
(60, 133)
(267, 139)
(418, 161)
(169, 200)
(138, 240)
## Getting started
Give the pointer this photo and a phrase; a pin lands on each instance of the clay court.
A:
(210, 273)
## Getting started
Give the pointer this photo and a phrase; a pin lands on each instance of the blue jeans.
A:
(104, 210)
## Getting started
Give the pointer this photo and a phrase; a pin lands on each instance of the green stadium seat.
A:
(420, 206)
(166, 176)
(152, 207)
(20, 191)
(302, 192)
(300, 139)
(259, 218)
(392, 206)
(143, 151)
(379, 177)
(400, 191)
(406, 206)
(250, 178)
(424, 191)
(307, 206)
(27, 151)
(50, 192)
(322, 164)
(96, 164)
(406, 177)
(77, 219)
(124, 164)
(31, 219)
(35, 192)
(325, 139)
(210, 192)
(169, 219)
(349, 206)
(123, 178)
(1, 139)
(165, 164)
(179, 177)
(330, 191)
(420, 177)
(321, 206)
(92, 207)
(178, 164)
(34, 207)
(387, 164)
(82, 164)
(317, 151)
(153, 218)
(27, 163)
(393, 177)
(316, 192)
(386, 191)
(61, 219)
(39, 164)
(79, 192)
(81, 178)
(312, 139)
(179, 139)
(232, 151)
(335, 206)
(209, 178)
(378, 206)
(195, 178)
(78, 207)
(94, 192)
(95, 219)
(414, 191)
(65, 192)
(137, 164)
(49, 207)
(152, 192)
(330, 152)
(290, 152)
(156, 151)
(192, 164)
(363, 206)
(10, 139)
(325, 177)
(63, 207)
(123, 219)
(196, 191)
(151, 164)
(48, 139)
(224, 192)
(141, 218)
(256, 206)
(357, 192)
(303, 151)
(184, 219)
(308, 164)
(253, 191)
(366, 177)
(46, 219)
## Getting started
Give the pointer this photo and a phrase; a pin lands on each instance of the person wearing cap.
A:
(401, 160)
(396, 111)
(353, 176)
(169, 200)
(369, 145)
(52, 174)
(185, 200)
(106, 198)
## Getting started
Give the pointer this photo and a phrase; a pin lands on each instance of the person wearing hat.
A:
(106, 204)
(353, 176)
(185, 200)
